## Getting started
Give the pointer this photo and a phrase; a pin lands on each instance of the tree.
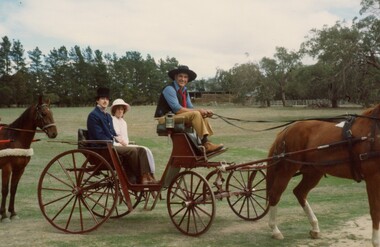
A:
(59, 75)
(337, 48)
(369, 29)
(241, 80)
(245, 79)
(223, 81)
(17, 56)
(37, 72)
(279, 69)
(20, 94)
(5, 56)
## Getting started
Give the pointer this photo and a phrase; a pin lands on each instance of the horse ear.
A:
(47, 101)
(40, 100)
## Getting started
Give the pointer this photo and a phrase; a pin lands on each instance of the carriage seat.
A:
(182, 128)
(178, 128)
(102, 151)
(82, 136)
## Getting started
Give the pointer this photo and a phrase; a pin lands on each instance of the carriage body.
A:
(80, 189)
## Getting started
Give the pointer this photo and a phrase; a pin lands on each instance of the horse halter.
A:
(40, 117)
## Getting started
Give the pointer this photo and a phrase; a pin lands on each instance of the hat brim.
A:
(192, 75)
(126, 106)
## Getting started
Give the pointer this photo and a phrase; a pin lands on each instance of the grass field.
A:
(335, 201)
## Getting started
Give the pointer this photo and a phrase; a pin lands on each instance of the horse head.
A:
(44, 118)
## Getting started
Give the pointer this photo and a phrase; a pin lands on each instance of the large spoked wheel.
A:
(73, 186)
(191, 203)
(248, 191)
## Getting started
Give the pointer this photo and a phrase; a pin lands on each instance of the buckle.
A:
(363, 156)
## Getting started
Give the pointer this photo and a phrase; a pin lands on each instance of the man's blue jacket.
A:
(100, 125)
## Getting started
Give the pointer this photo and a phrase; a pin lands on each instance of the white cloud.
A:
(204, 34)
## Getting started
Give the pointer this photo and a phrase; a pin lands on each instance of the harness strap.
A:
(369, 155)
(324, 163)
(375, 126)
(23, 130)
(355, 166)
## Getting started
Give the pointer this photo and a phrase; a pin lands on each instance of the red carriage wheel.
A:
(248, 198)
(73, 186)
(191, 203)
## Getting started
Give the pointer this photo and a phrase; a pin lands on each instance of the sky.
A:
(206, 35)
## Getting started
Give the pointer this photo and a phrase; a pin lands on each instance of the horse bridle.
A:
(40, 117)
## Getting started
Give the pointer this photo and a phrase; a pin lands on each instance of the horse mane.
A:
(21, 120)
(369, 111)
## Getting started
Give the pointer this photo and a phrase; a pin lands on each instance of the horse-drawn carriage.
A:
(82, 188)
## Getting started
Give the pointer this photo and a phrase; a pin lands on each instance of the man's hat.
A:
(103, 92)
(182, 69)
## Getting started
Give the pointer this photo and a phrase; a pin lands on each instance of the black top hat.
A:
(182, 69)
(103, 92)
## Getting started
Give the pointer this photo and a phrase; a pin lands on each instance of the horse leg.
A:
(308, 182)
(279, 185)
(6, 170)
(16, 175)
(276, 233)
(373, 192)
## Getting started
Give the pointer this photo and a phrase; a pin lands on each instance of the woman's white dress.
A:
(121, 128)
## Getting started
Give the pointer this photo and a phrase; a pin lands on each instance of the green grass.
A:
(334, 201)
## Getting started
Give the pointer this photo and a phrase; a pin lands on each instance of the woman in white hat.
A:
(118, 109)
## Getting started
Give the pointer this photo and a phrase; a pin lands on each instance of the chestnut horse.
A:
(313, 148)
(15, 151)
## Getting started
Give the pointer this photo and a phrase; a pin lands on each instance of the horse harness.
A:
(39, 117)
(355, 161)
(349, 140)
(355, 165)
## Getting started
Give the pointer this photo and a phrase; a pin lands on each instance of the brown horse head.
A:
(44, 118)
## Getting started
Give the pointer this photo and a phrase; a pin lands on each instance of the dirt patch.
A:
(357, 232)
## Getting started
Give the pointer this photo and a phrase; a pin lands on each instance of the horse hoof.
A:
(278, 236)
(15, 217)
(5, 220)
(314, 235)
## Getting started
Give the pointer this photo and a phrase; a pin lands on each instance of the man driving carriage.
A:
(100, 127)
(175, 98)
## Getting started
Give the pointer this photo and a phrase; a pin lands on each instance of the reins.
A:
(25, 130)
(229, 120)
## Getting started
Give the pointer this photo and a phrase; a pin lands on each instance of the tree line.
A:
(346, 67)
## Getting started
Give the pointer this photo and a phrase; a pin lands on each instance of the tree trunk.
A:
(282, 88)
(283, 97)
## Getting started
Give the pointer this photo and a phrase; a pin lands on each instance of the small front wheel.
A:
(191, 203)
(248, 193)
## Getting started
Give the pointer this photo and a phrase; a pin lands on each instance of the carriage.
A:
(80, 189)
